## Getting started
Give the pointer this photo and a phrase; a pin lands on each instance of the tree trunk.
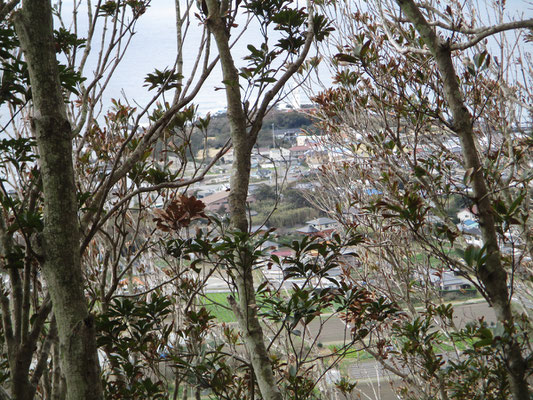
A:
(60, 237)
(492, 274)
(246, 310)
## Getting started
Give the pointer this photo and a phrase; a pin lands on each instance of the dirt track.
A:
(333, 330)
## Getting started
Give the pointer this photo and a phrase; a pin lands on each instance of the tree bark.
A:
(492, 274)
(245, 310)
(243, 140)
(60, 237)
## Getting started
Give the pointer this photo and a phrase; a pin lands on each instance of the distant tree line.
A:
(217, 132)
(292, 208)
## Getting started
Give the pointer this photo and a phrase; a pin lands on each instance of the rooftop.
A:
(307, 229)
(213, 198)
(300, 148)
(321, 221)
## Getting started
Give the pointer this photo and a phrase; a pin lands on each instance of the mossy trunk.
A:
(60, 237)
(246, 309)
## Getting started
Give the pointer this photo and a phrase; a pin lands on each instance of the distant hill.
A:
(218, 130)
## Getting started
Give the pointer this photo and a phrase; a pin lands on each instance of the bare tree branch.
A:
(482, 33)
(6, 8)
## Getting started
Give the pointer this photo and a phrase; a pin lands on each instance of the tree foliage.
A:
(140, 289)
(106, 261)
(427, 118)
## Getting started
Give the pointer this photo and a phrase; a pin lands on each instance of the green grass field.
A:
(217, 304)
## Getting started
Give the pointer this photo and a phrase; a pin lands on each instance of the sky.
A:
(154, 46)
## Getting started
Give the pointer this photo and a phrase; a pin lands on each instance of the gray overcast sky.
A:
(154, 46)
